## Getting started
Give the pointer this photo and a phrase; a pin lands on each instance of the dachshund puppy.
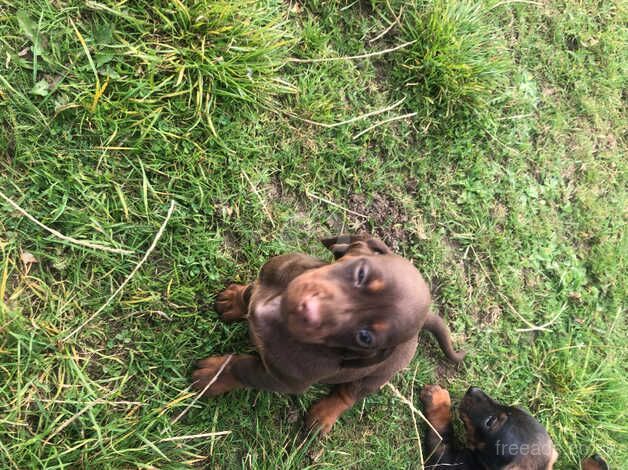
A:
(497, 436)
(352, 323)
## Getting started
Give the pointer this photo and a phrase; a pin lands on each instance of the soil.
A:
(387, 217)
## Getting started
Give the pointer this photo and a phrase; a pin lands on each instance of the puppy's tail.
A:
(435, 325)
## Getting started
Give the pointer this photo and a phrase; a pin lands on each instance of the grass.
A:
(457, 62)
(516, 216)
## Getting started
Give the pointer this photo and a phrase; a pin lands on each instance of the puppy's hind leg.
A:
(323, 414)
(217, 375)
(435, 325)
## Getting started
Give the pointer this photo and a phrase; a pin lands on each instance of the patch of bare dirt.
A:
(445, 369)
(387, 218)
(7, 141)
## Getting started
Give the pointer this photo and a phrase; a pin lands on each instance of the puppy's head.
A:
(504, 437)
(594, 463)
(366, 302)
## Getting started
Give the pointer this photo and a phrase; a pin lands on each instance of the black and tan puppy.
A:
(594, 463)
(497, 436)
(352, 323)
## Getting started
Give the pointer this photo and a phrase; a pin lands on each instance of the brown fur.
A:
(352, 323)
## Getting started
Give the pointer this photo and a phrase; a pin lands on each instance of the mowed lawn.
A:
(483, 140)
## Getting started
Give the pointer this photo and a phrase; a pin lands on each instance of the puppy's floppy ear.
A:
(358, 244)
(340, 245)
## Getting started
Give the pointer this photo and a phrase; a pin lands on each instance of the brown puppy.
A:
(498, 436)
(352, 323)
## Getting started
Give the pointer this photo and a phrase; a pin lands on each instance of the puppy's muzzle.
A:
(308, 310)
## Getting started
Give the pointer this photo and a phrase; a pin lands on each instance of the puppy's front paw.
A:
(437, 405)
(210, 374)
(320, 418)
(434, 396)
(230, 303)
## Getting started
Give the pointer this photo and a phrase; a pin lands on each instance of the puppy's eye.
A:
(490, 421)
(360, 275)
(364, 338)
